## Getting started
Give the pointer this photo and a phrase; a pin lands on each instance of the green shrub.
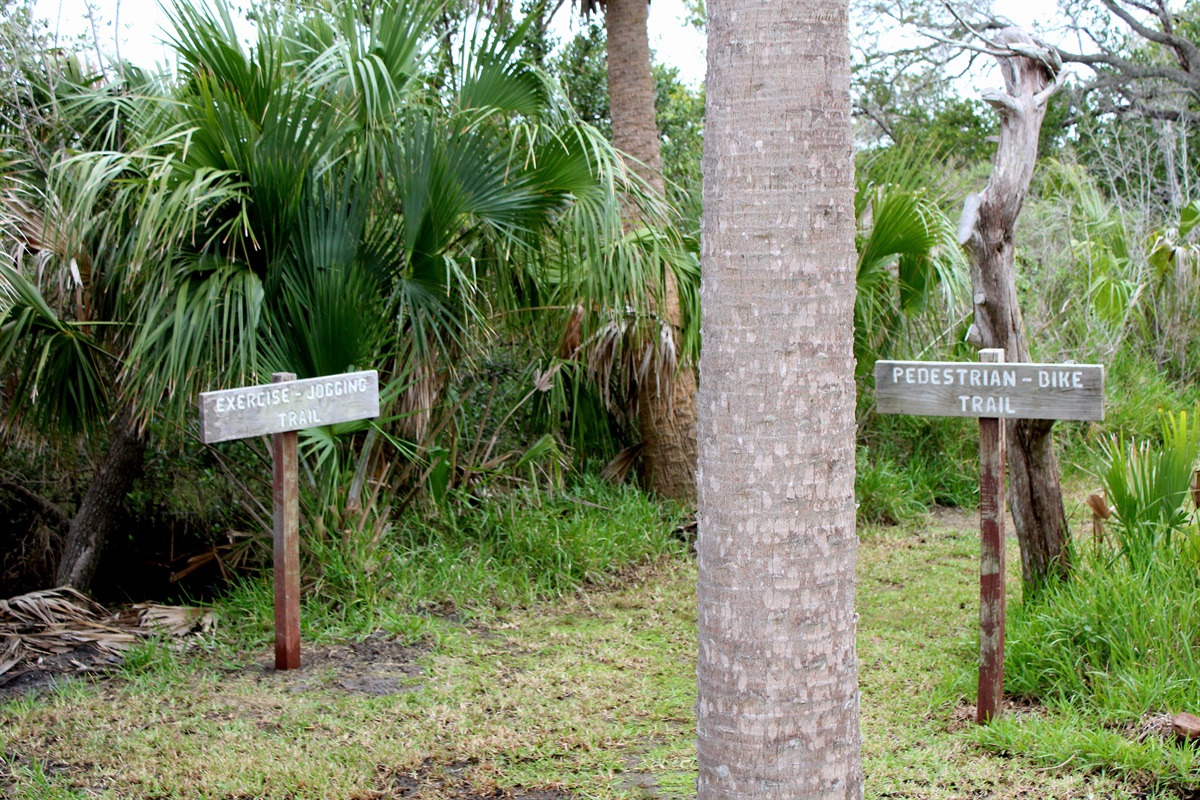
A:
(1119, 639)
(1147, 486)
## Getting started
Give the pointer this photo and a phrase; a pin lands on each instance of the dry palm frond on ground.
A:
(58, 622)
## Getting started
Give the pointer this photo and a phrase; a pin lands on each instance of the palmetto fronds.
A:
(326, 199)
(58, 621)
(908, 255)
(60, 372)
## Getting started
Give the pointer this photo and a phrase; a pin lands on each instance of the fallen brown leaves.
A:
(62, 621)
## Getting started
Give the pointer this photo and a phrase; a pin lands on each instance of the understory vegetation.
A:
(591, 693)
(1111, 652)
(518, 550)
(523, 612)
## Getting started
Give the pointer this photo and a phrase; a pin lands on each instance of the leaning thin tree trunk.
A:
(777, 712)
(100, 511)
(987, 231)
(666, 405)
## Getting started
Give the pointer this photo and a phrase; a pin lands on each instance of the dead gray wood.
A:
(987, 231)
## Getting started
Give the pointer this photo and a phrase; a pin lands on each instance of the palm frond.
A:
(368, 55)
(908, 255)
(493, 77)
(202, 323)
(62, 374)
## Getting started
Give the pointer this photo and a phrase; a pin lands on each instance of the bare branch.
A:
(1130, 69)
(1000, 100)
(963, 45)
(55, 515)
(967, 25)
(1184, 49)
(1145, 32)
(1043, 96)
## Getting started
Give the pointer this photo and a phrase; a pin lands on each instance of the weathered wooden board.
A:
(972, 389)
(290, 406)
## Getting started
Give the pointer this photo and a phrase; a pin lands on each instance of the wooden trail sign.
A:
(288, 405)
(992, 391)
(995, 389)
(281, 408)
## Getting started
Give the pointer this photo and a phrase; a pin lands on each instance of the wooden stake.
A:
(287, 543)
(991, 563)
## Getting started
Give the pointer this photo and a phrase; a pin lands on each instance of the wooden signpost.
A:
(281, 408)
(992, 391)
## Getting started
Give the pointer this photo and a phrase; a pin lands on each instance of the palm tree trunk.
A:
(667, 406)
(99, 513)
(631, 88)
(987, 230)
(777, 715)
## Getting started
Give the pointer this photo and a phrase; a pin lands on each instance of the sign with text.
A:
(288, 406)
(281, 408)
(974, 389)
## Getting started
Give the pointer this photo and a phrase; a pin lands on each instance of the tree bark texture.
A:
(631, 88)
(100, 510)
(666, 404)
(987, 230)
(667, 419)
(777, 715)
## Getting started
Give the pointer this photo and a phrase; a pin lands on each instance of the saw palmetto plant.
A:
(341, 194)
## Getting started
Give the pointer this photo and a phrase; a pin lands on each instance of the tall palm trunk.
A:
(666, 407)
(631, 87)
(777, 715)
(99, 512)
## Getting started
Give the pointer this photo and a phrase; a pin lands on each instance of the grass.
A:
(591, 693)
(516, 550)
(1113, 653)
(907, 465)
(918, 642)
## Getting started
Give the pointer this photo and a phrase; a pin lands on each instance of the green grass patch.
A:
(1111, 653)
(918, 643)
(473, 562)
(522, 548)
(591, 692)
(908, 465)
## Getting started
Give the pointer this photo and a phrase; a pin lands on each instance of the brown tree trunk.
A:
(666, 405)
(667, 420)
(100, 511)
(777, 713)
(987, 231)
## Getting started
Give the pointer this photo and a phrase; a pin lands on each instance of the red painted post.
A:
(287, 543)
(991, 564)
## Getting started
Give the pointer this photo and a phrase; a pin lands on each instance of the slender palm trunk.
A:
(666, 407)
(777, 715)
(631, 87)
(97, 517)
